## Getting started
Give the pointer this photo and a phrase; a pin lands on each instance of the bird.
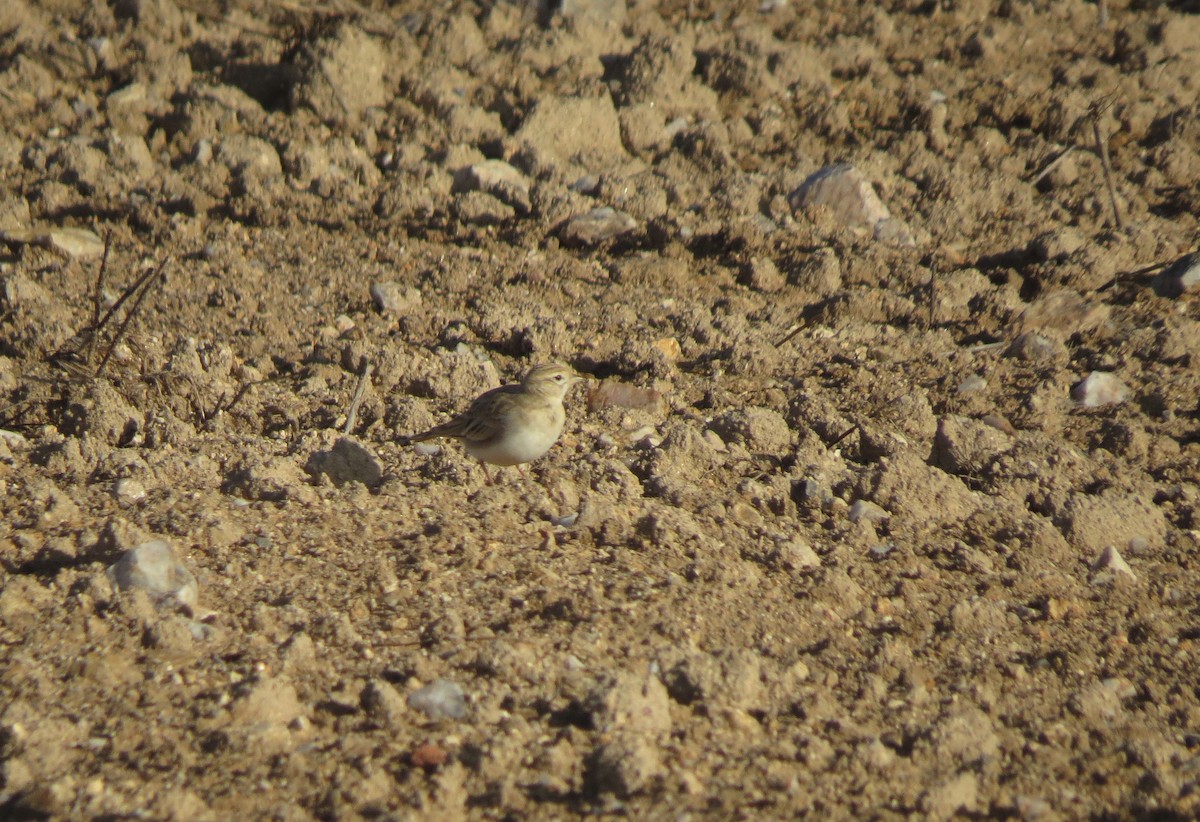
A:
(513, 424)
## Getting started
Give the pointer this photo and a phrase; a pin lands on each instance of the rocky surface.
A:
(877, 515)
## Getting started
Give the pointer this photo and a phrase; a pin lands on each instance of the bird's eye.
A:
(558, 377)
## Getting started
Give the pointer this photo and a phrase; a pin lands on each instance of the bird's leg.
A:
(487, 474)
(524, 473)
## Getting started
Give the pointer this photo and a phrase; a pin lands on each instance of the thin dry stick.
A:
(796, 329)
(1053, 164)
(363, 377)
(932, 297)
(142, 287)
(129, 292)
(97, 299)
(843, 436)
(1102, 150)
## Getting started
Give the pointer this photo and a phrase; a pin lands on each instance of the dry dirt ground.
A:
(852, 558)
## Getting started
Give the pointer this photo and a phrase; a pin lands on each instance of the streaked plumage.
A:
(512, 424)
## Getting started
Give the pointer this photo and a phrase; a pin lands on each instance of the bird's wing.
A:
(483, 421)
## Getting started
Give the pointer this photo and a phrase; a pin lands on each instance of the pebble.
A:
(155, 568)
(74, 242)
(971, 384)
(613, 394)
(1180, 277)
(798, 554)
(482, 209)
(1063, 312)
(1033, 347)
(428, 756)
(882, 550)
(1109, 565)
(202, 152)
(1100, 388)
(868, 511)
(596, 11)
(588, 184)
(393, 298)
(598, 225)
(383, 703)
(13, 439)
(441, 699)
(497, 178)
(763, 275)
(852, 201)
(129, 491)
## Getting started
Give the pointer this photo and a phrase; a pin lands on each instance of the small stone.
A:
(393, 298)
(497, 178)
(597, 225)
(202, 153)
(594, 11)
(761, 274)
(1109, 565)
(881, 550)
(852, 201)
(481, 208)
(441, 699)
(1180, 277)
(74, 242)
(1033, 347)
(129, 491)
(13, 439)
(1063, 312)
(798, 554)
(1056, 245)
(669, 348)
(428, 756)
(348, 461)
(972, 384)
(999, 423)
(613, 394)
(383, 703)
(155, 568)
(1101, 701)
(1100, 388)
(865, 510)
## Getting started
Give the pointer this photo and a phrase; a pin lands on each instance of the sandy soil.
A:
(852, 557)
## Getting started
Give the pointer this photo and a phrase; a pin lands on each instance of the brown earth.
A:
(843, 565)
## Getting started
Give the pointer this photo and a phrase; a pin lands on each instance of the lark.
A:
(513, 424)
